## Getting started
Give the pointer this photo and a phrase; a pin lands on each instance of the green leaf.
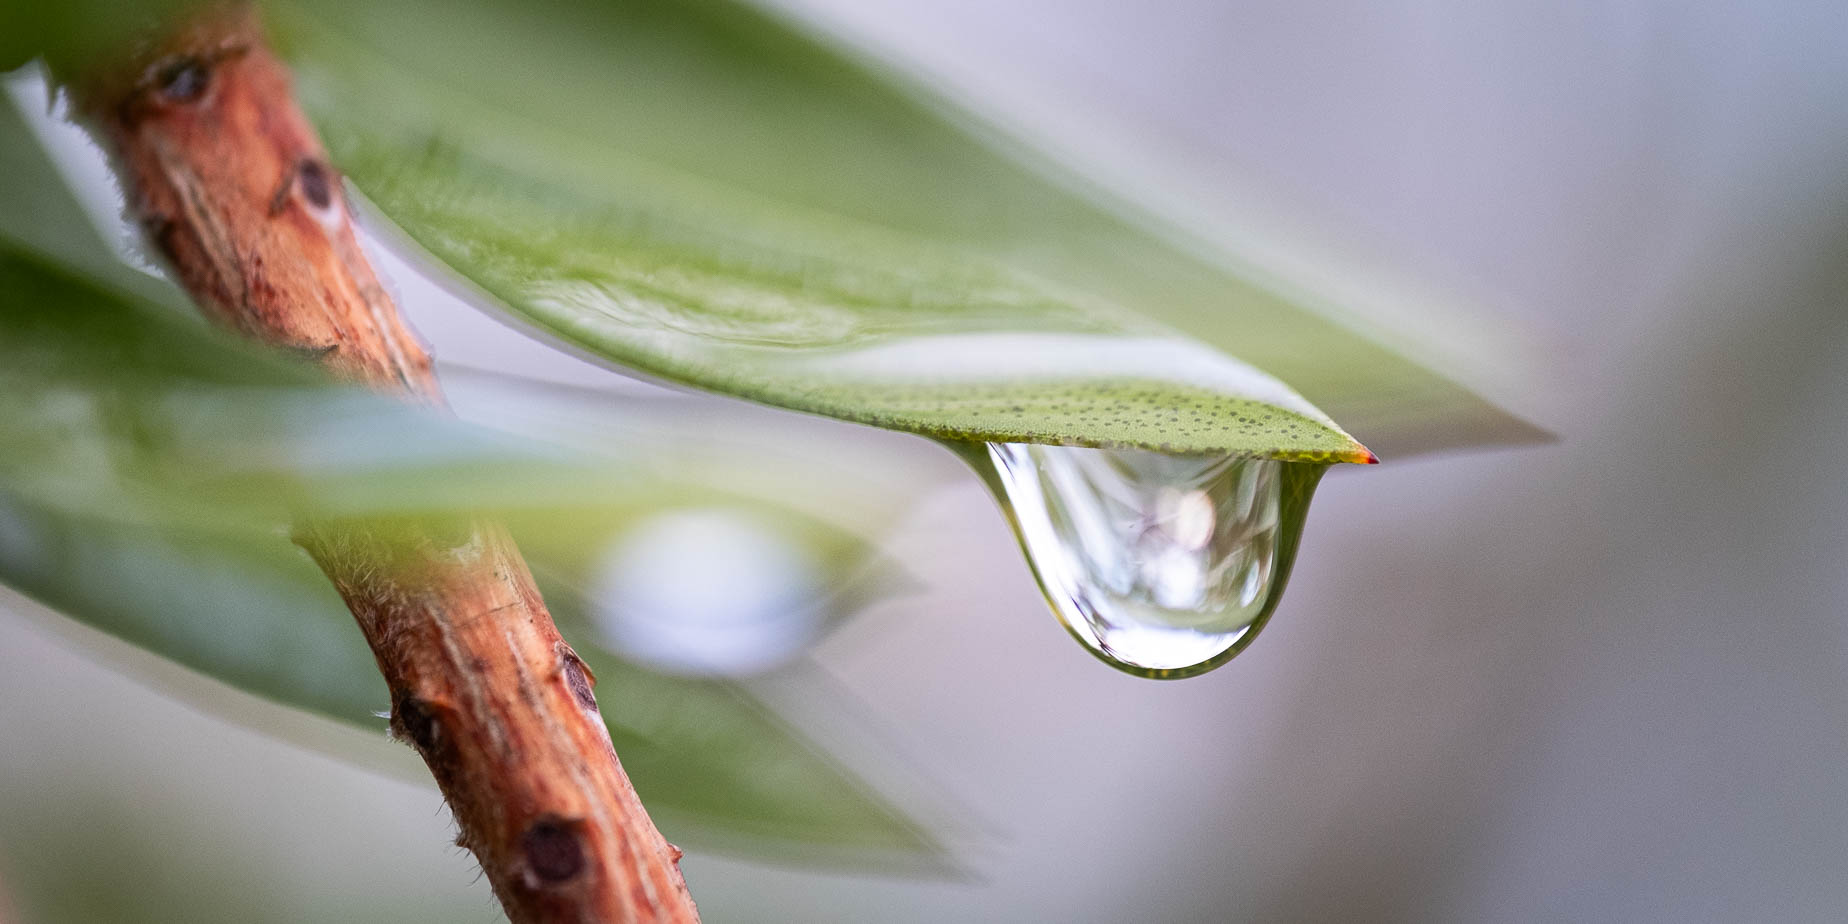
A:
(717, 768)
(693, 191)
(138, 447)
(150, 466)
(251, 611)
(72, 32)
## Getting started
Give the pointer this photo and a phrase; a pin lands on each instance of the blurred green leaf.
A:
(717, 768)
(150, 466)
(70, 32)
(695, 192)
(149, 470)
(251, 611)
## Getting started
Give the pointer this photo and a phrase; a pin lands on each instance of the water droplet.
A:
(1162, 565)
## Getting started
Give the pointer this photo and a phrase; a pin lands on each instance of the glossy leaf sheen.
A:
(692, 191)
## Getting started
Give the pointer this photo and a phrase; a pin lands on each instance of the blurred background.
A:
(1598, 679)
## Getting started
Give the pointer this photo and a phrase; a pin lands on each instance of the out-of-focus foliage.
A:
(150, 468)
(71, 32)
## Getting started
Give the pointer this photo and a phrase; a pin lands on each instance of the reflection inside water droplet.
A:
(1163, 565)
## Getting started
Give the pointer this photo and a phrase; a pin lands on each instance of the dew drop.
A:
(1162, 565)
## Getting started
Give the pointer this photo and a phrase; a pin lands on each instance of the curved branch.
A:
(234, 189)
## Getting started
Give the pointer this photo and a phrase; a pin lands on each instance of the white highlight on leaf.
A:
(1027, 357)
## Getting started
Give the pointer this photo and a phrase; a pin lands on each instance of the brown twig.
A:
(234, 189)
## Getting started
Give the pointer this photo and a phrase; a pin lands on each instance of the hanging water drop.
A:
(1162, 565)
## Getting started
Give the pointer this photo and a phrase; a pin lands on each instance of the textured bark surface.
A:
(234, 189)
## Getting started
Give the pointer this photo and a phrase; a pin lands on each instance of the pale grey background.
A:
(1602, 680)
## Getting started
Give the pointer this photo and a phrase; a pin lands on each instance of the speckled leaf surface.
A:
(695, 192)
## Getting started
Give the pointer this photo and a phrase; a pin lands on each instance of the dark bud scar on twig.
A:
(579, 682)
(311, 177)
(553, 852)
(417, 719)
(183, 79)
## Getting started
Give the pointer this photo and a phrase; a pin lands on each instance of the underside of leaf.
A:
(754, 292)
